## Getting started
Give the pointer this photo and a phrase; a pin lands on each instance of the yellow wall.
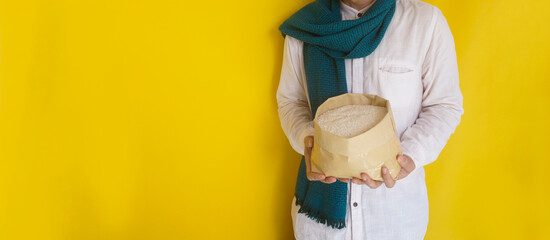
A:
(158, 120)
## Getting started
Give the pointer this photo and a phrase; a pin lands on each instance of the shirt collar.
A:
(349, 12)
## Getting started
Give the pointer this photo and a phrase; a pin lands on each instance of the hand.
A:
(407, 166)
(313, 176)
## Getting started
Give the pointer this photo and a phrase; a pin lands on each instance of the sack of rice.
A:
(355, 133)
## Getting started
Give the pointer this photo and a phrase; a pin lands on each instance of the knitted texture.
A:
(327, 41)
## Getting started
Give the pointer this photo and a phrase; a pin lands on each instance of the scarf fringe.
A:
(318, 216)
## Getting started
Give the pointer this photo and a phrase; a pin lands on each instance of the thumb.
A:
(309, 141)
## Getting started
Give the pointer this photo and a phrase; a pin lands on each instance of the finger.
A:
(329, 180)
(402, 174)
(313, 176)
(388, 180)
(346, 180)
(369, 182)
(358, 181)
(308, 141)
(405, 163)
(307, 153)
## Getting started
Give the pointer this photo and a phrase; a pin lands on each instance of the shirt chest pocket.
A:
(396, 69)
(397, 73)
(401, 83)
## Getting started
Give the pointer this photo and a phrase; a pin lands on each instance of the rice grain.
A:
(351, 120)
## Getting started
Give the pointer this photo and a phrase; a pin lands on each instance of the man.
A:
(401, 50)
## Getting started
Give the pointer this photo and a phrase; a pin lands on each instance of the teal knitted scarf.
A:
(328, 40)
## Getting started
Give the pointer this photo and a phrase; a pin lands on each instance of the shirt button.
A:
(359, 14)
(355, 204)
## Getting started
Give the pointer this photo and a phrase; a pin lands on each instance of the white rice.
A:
(351, 120)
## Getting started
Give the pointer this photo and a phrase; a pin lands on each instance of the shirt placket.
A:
(355, 211)
(355, 189)
(357, 70)
(357, 81)
(357, 73)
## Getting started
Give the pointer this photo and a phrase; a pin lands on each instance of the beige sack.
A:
(367, 152)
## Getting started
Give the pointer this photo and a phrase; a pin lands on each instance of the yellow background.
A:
(158, 120)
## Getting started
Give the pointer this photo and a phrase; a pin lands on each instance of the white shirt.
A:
(415, 68)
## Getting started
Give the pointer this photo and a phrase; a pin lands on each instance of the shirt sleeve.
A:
(441, 100)
(293, 105)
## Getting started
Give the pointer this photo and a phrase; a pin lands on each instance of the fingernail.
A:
(385, 170)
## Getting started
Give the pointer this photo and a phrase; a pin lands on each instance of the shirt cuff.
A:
(415, 152)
